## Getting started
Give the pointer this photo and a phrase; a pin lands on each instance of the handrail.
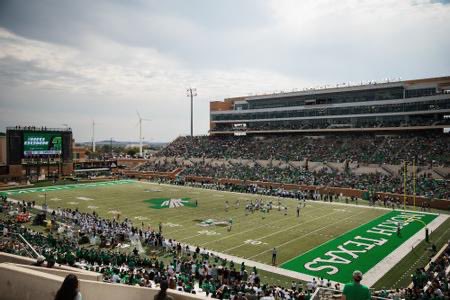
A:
(324, 289)
(433, 259)
(28, 244)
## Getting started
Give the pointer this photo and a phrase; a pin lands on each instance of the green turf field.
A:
(193, 216)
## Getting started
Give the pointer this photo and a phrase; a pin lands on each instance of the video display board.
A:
(42, 143)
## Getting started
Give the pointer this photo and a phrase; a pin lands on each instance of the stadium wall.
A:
(346, 192)
(16, 171)
(27, 262)
(19, 283)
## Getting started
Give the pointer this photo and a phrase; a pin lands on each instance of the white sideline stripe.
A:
(302, 236)
(254, 228)
(243, 231)
(391, 260)
(246, 194)
(240, 213)
(332, 238)
(308, 200)
(286, 229)
(227, 236)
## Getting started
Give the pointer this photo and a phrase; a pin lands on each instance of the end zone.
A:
(366, 248)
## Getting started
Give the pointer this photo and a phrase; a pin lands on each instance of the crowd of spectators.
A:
(93, 243)
(430, 282)
(159, 166)
(433, 280)
(324, 176)
(427, 149)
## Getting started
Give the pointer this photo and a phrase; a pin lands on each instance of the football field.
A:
(327, 240)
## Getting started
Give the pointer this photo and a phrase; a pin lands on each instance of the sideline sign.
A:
(361, 248)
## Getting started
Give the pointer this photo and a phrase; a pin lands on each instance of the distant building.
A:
(3, 149)
(132, 145)
(79, 153)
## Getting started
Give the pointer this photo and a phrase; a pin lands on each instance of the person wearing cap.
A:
(355, 290)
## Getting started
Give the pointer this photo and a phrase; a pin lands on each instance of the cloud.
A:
(74, 61)
(107, 81)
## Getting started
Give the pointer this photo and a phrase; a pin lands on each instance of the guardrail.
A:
(322, 293)
(30, 247)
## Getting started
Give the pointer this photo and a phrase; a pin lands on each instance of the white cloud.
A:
(123, 57)
(104, 78)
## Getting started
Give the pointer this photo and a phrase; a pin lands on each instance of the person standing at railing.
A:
(355, 290)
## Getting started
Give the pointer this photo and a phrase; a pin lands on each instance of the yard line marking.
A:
(309, 201)
(286, 229)
(241, 213)
(309, 233)
(291, 217)
(254, 228)
(248, 221)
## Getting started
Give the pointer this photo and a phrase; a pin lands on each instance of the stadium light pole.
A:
(192, 92)
(93, 136)
(110, 144)
(404, 183)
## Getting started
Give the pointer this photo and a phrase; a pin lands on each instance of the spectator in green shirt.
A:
(355, 290)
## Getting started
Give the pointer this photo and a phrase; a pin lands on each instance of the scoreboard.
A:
(25, 143)
(42, 143)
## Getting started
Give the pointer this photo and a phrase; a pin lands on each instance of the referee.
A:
(274, 256)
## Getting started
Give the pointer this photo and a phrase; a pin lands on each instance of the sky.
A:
(75, 62)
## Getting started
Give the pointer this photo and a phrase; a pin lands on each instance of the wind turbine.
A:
(140, 132)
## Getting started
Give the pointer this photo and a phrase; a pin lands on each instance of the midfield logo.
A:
(159, 203)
